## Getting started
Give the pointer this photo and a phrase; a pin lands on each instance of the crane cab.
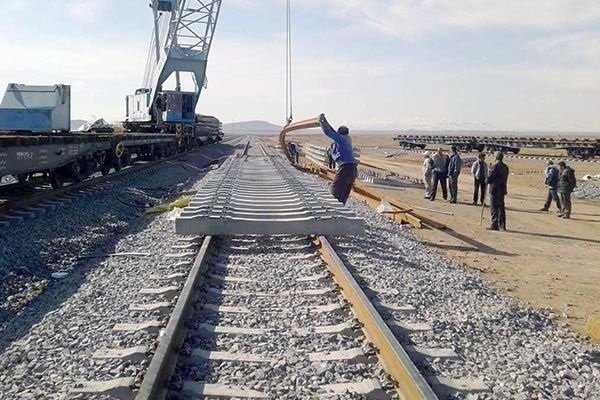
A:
(164, 5)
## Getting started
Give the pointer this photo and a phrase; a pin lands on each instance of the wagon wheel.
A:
(56, 179)
(105, 169)
(22, 178)
(75, 171)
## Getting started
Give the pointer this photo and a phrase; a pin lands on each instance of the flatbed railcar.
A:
(576, 148)
(60, 157)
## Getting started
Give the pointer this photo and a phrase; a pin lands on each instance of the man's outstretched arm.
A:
(327, 128)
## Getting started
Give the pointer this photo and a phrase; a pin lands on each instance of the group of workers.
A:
(440, 169)
(561, 183)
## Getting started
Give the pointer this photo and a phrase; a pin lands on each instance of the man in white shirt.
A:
(479, 170)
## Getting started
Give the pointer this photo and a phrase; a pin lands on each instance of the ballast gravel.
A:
(587, 190)
(279, 306)
(46, 347)
(520, 353)
(50, 328)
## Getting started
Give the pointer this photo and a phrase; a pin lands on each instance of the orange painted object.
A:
(296, 126)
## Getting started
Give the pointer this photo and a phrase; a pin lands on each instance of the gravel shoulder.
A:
(520, 353)
(50, 327)
(545, 261)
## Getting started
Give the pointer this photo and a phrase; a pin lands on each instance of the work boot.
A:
(491, 228)
(544, 209)
(566, 217)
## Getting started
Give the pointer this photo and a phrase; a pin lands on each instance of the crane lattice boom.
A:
(176, 67)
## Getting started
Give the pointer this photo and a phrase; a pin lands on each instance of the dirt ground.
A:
(542, 260)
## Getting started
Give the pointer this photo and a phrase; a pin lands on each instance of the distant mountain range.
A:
(251, 127)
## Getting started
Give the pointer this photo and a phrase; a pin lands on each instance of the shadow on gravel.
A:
(15, 325)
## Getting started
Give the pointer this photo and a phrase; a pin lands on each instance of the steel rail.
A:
(518, 156)
(246, 148)
(411, 385)
(296, 126)
(154, 386)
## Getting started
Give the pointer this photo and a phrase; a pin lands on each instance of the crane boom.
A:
(179, 49)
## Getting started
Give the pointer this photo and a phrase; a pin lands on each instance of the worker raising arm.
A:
(343, 155)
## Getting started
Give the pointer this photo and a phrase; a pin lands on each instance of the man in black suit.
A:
(497, 180)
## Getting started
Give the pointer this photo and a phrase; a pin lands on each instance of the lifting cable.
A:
(289, 107)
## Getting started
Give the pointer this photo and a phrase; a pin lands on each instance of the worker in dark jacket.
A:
(552, 184)
(497, 180)
(343, 156)
(566, 185)
(454, 168)
(294, 152)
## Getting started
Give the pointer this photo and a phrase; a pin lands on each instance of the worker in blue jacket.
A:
(343, 155)
(552, 176)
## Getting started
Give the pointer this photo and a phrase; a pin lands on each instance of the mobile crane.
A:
(175, 70)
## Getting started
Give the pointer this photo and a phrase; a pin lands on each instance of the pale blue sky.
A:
(380, 64)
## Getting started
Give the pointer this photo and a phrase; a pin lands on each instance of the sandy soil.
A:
(542, 260)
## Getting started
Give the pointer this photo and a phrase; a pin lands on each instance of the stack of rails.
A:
(584, 148)
(209, 126)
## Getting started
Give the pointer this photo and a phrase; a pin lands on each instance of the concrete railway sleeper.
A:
(265, 317)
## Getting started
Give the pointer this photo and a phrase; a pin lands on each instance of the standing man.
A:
(552, 184)
(427, 174)
(498, 189)
(454, 168)
(330, 162)
(440, 172)
(479, 170)
(293, 150)
(343, 155)
(566, 185)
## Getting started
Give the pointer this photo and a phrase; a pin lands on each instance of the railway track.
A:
(255, 316)
(263, 317)
(22, 201)
(521, 157)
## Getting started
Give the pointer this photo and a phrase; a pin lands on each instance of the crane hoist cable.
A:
(289, 103)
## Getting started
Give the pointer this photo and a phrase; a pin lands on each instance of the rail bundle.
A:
(583, 148)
